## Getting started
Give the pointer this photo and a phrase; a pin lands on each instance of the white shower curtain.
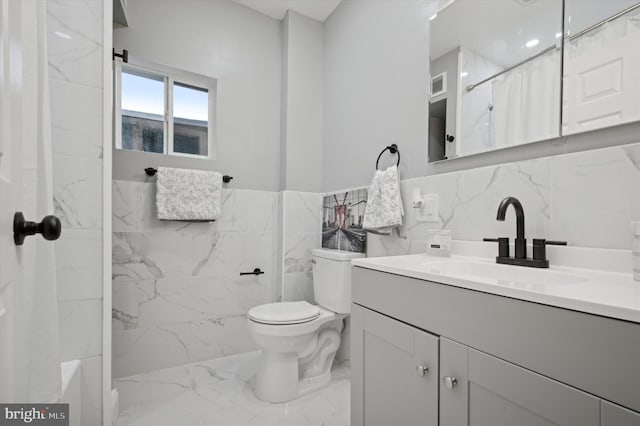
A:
(41, 337)
(609, 34)
(526, 102)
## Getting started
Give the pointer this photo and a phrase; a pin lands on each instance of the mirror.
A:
(601, 64)
(497, 64)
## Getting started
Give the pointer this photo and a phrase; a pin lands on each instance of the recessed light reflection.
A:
(464, 74)
(532, 43)
(558, 35)
(63, 35)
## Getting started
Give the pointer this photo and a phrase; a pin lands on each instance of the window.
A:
(164, 110)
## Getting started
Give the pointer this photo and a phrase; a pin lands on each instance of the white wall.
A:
(239, 47)
(302, 78)
(376, 72)
(376, 89)
(76, 87)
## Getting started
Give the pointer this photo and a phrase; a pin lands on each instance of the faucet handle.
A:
(540, 247)
(503, 245)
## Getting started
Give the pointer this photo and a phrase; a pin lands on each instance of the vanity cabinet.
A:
(478, 389)
(493, 360)
(398, 376)
(614, 415)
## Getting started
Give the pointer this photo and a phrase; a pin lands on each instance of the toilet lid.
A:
(284, 313)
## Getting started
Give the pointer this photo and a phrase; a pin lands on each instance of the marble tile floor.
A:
(219, 392)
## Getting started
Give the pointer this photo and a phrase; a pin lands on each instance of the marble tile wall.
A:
(75, 49)
(178, 297)
(177, 293)
(476, 125)
(301, 233)
(587, 199)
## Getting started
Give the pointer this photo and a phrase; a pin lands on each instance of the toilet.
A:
(299, 340)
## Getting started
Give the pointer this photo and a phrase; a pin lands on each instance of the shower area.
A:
(180, 335)
(180, 289)
(178, 296)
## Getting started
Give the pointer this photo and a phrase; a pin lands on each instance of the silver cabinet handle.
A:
(421, 370)
(449, 382)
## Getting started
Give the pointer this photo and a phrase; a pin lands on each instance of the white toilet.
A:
(299, 340)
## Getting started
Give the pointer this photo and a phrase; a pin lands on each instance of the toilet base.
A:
(277, 377)
(284, 376)
(277, 380)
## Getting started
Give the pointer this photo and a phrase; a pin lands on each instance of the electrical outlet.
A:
(429, 211)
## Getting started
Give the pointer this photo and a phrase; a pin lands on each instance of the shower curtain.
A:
(609, 34)
(526, 102)
(41, 338)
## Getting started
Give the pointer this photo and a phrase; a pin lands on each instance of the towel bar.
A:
(150, 171)
(256, 271)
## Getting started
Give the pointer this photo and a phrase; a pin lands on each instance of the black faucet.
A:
(521, 241)
(539, 245)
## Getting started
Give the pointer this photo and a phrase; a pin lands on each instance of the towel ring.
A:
(393, 148)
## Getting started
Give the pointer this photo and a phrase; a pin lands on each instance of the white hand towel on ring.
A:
(384, 209)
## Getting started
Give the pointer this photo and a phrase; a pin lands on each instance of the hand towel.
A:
(184, 194)
(384, 209)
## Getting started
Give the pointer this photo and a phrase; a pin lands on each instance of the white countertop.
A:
(609, 294)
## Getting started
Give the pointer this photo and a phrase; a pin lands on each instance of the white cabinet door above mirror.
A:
(601, 64)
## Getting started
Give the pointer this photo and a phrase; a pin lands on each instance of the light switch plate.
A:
(429, 213)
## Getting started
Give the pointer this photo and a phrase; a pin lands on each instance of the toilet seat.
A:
(284, 313)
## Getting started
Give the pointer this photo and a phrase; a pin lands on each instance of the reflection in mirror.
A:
(601, 64)
(437, 129)
(502, 60)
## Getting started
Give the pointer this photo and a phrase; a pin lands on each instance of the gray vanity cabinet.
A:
(397, 379)
(481, 390)
(502, 361)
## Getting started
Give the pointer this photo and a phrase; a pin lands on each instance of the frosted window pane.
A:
(142, 112)
(191, 119)
(140, 134)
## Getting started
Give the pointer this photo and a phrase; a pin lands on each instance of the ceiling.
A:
(500, 29)
(277, 9)
(496, 29)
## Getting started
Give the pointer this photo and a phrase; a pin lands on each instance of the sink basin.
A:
(504, 275)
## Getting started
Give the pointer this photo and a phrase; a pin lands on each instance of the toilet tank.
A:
(332, 279)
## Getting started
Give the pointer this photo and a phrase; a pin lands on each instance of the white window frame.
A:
(169, 75)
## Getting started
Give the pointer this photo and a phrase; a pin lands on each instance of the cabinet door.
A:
(600, 87)
(480, 390)
(614, 415)
(389, 384)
